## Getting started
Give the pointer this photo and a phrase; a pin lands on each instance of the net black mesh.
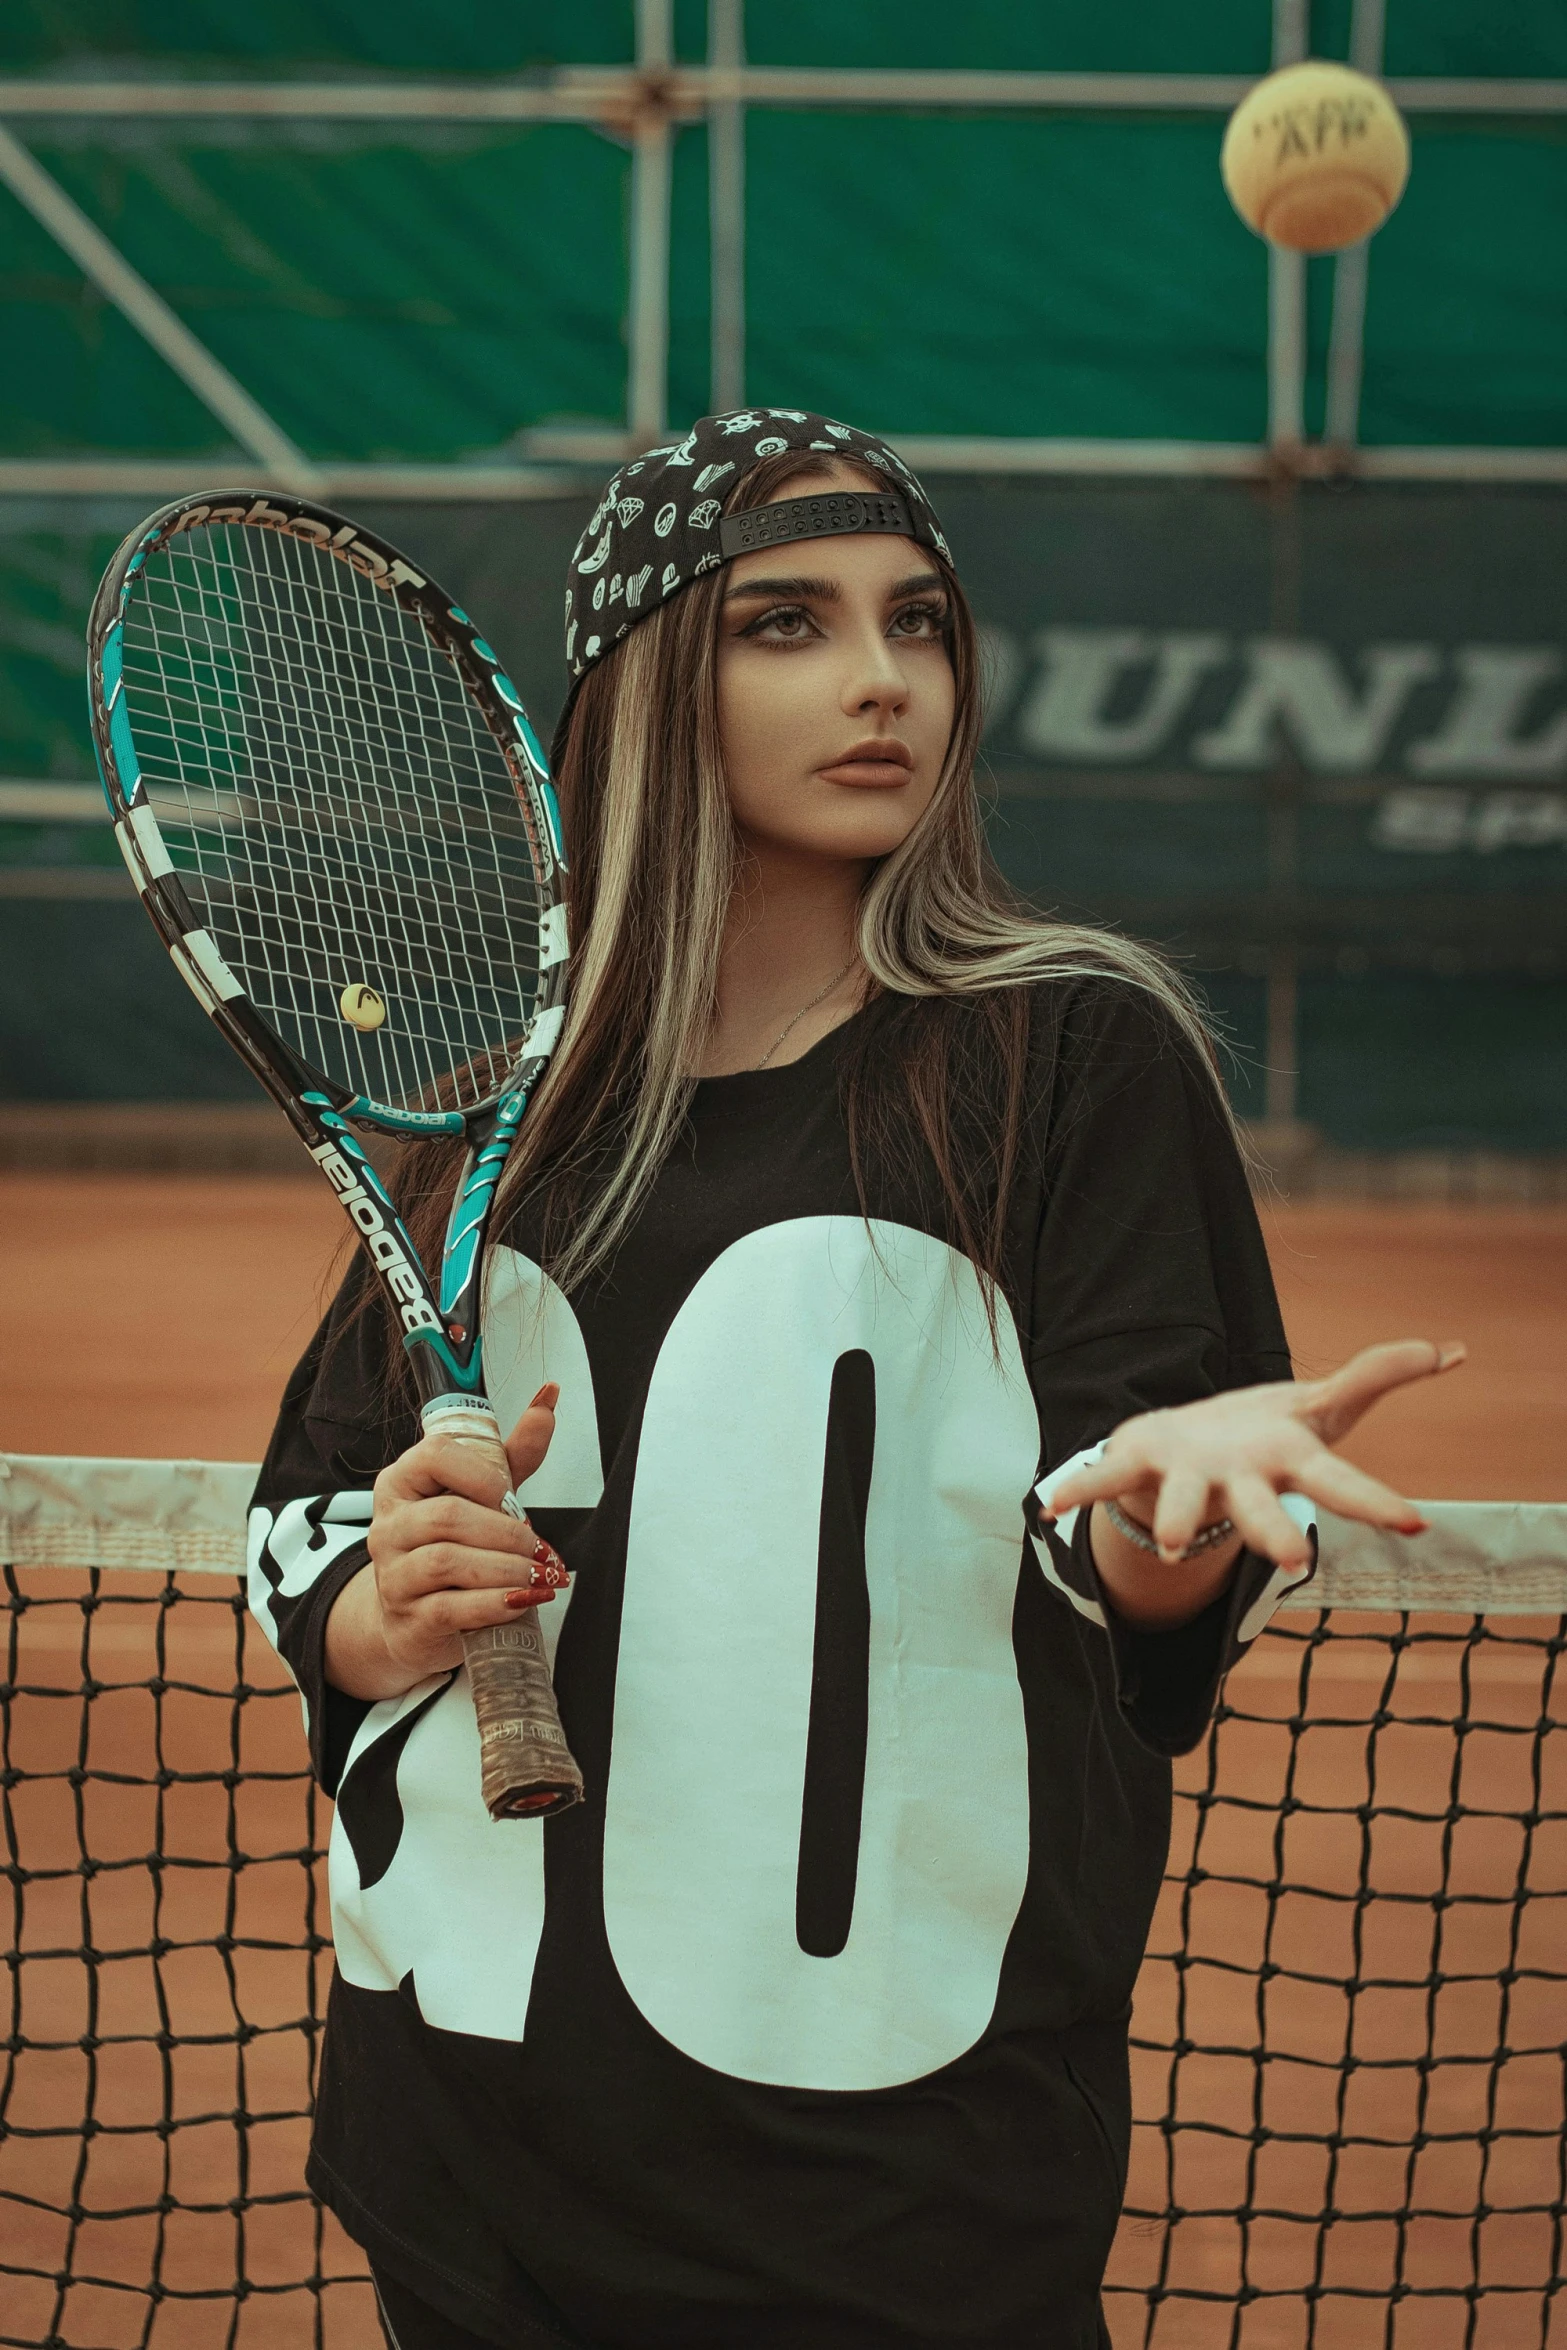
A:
(167, 1978)
(1347, 2047)
(1350, 2028)
(337, 810)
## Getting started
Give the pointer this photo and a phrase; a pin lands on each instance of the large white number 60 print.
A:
(713, 1694)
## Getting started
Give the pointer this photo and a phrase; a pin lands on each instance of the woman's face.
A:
(835, 691)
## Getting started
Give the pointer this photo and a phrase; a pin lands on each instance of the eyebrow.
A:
(826, 591)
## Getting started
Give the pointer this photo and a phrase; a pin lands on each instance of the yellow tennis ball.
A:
(1315, 157)
(360, 1006)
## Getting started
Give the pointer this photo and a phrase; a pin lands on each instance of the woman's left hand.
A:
(1232, 1455)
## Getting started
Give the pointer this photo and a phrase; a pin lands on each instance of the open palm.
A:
(1232, 1455)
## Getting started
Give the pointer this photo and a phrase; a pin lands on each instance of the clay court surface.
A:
(159, 1316)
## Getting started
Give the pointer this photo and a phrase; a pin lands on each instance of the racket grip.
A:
(526, 1767)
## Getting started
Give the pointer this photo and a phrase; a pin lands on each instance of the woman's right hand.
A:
(444, 1560)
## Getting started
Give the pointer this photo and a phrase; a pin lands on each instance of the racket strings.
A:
(337, 810)
(455, 750)
(344, 814)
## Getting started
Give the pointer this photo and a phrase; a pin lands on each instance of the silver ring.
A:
(1206, 1537)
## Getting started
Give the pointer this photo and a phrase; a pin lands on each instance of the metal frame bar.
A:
(581, 470)
(1351, 271)
(591, 94)
(1286, 350)
(1286, 436)
(1287, 276)
(1347, 346)
(726, 210)
(647, 385)
(656, 96)
(1291, 32)
(151, 316)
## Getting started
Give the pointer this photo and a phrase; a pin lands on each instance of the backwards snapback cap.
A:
(660, 524)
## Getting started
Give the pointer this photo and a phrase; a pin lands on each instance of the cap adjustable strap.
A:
(827, 515)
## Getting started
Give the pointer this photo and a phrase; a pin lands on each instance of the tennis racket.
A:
(341, 823)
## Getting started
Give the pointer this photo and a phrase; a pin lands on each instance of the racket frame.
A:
(440, 1320)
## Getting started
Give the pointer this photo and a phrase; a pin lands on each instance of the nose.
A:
(875, 683)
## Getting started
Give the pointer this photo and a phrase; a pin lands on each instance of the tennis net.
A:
(1348, 2040)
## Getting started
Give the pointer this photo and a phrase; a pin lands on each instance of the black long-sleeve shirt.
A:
(807, 2029)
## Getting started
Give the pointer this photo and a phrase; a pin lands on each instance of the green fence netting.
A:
(1317, 723)
(434, 291)
(1238, 721)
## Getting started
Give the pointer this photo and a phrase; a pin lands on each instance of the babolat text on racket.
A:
(341, 823)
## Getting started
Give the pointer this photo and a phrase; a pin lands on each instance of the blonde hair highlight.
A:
(655, 860)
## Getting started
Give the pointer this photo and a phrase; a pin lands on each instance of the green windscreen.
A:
(1318, 724)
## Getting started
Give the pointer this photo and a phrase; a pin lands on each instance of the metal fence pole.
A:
(1287, 274)
(1347, 336)
(1286, 348)
(726, 202)
(151, 316)
(648, 386)
(1286, 431)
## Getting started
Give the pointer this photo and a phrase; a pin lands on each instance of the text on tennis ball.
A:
(1315, 157)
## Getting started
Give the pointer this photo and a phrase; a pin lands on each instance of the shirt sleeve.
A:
(1151, 1287)
(339, 1426)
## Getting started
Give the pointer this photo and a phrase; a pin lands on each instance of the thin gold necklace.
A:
(820, 997)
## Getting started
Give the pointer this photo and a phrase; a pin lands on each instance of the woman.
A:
(861, 1213)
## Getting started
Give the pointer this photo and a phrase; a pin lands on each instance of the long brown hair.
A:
(937, 1087)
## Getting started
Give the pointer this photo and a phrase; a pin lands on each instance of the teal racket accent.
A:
(340, 821)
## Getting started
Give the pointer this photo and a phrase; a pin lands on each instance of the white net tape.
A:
(1479, 1557)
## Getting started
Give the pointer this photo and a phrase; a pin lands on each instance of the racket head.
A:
(327, 791)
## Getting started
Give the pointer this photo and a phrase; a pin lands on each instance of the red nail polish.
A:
(549, 1566)
(521, 1598)
(549, 1384)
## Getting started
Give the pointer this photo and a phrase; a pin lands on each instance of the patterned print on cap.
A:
(658, 516)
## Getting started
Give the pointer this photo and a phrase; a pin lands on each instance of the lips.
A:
(878, 764)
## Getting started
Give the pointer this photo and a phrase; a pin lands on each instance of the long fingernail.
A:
(549, 1388)
(548, 1566)
(529, 1598)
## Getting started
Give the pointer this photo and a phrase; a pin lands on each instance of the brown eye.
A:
(921, 621)
(786, 624)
